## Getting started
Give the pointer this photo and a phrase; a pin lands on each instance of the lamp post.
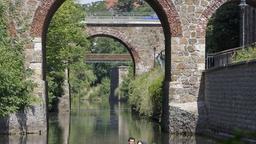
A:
(242, 7)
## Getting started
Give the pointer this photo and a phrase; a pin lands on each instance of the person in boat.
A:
(131, 140)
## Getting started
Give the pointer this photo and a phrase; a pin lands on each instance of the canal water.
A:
(102, 124)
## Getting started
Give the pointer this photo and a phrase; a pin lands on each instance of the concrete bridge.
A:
(184, 25)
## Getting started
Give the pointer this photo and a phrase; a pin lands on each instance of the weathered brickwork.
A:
(140, 41)
(230, 97)
(187, 65)
(187, 52)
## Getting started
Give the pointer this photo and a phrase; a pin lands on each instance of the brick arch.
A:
(207, 14)
(167, 13)
(210, 10)
(165, 10)
(119, 36)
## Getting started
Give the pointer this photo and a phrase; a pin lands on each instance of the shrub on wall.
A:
(246, 54)
(145, 93)
(14, 87)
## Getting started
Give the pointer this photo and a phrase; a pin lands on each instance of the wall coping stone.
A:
(250, 62)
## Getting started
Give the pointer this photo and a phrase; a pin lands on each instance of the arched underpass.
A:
(184, 26)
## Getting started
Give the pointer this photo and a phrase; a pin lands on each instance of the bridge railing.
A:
(120, 17)
(121, 14)
(99, 58)
(223, 58)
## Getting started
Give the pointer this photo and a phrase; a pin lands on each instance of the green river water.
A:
(102, 124)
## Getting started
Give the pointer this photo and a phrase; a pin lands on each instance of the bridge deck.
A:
(107, 57)
(119, 19)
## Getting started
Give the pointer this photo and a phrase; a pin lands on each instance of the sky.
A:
(87, 1)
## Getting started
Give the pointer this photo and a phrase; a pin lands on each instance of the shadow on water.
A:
(4, 125)
(21, 118)
(59, 128)
(23, 139)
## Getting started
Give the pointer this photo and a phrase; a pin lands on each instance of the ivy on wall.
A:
(15, 88)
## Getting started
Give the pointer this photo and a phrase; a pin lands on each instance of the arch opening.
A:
(230, 29)
(131, 50)
(165, 11)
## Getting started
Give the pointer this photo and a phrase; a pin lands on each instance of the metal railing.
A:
(122, 18)
(223, 58)
(124, 14)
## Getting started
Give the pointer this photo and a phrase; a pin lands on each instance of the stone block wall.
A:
(187, 66)
(188, 51)
(230, 96)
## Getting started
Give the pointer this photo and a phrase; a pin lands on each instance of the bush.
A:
(15, 89)
(245, 54)
(145, 93)
(100, 92)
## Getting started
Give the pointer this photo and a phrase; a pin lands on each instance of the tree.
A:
(66, 47)
(123, 6)
(223, 28)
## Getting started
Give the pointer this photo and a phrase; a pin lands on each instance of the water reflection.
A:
(23, 139)
(101, 124)
(112, 124)
(58, 131)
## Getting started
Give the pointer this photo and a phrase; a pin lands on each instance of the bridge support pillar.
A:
(117, 77)
(34, 118)
(187, 64)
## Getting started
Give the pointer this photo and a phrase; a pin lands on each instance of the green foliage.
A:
(128, 6)
(245, 54)
(109, 46)
(66, 40)
(122, 7)
(101, 89)
(15, 89)
(100, 92)
(66, 47)
(55, 80)
(123, 89)
(145, 93)
(95, 7)
(105, 87)
(81, 78)
(238, 136)
(223, 28)
(156, 93)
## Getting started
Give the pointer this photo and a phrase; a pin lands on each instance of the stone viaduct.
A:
(184, 25)
(140, 40)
